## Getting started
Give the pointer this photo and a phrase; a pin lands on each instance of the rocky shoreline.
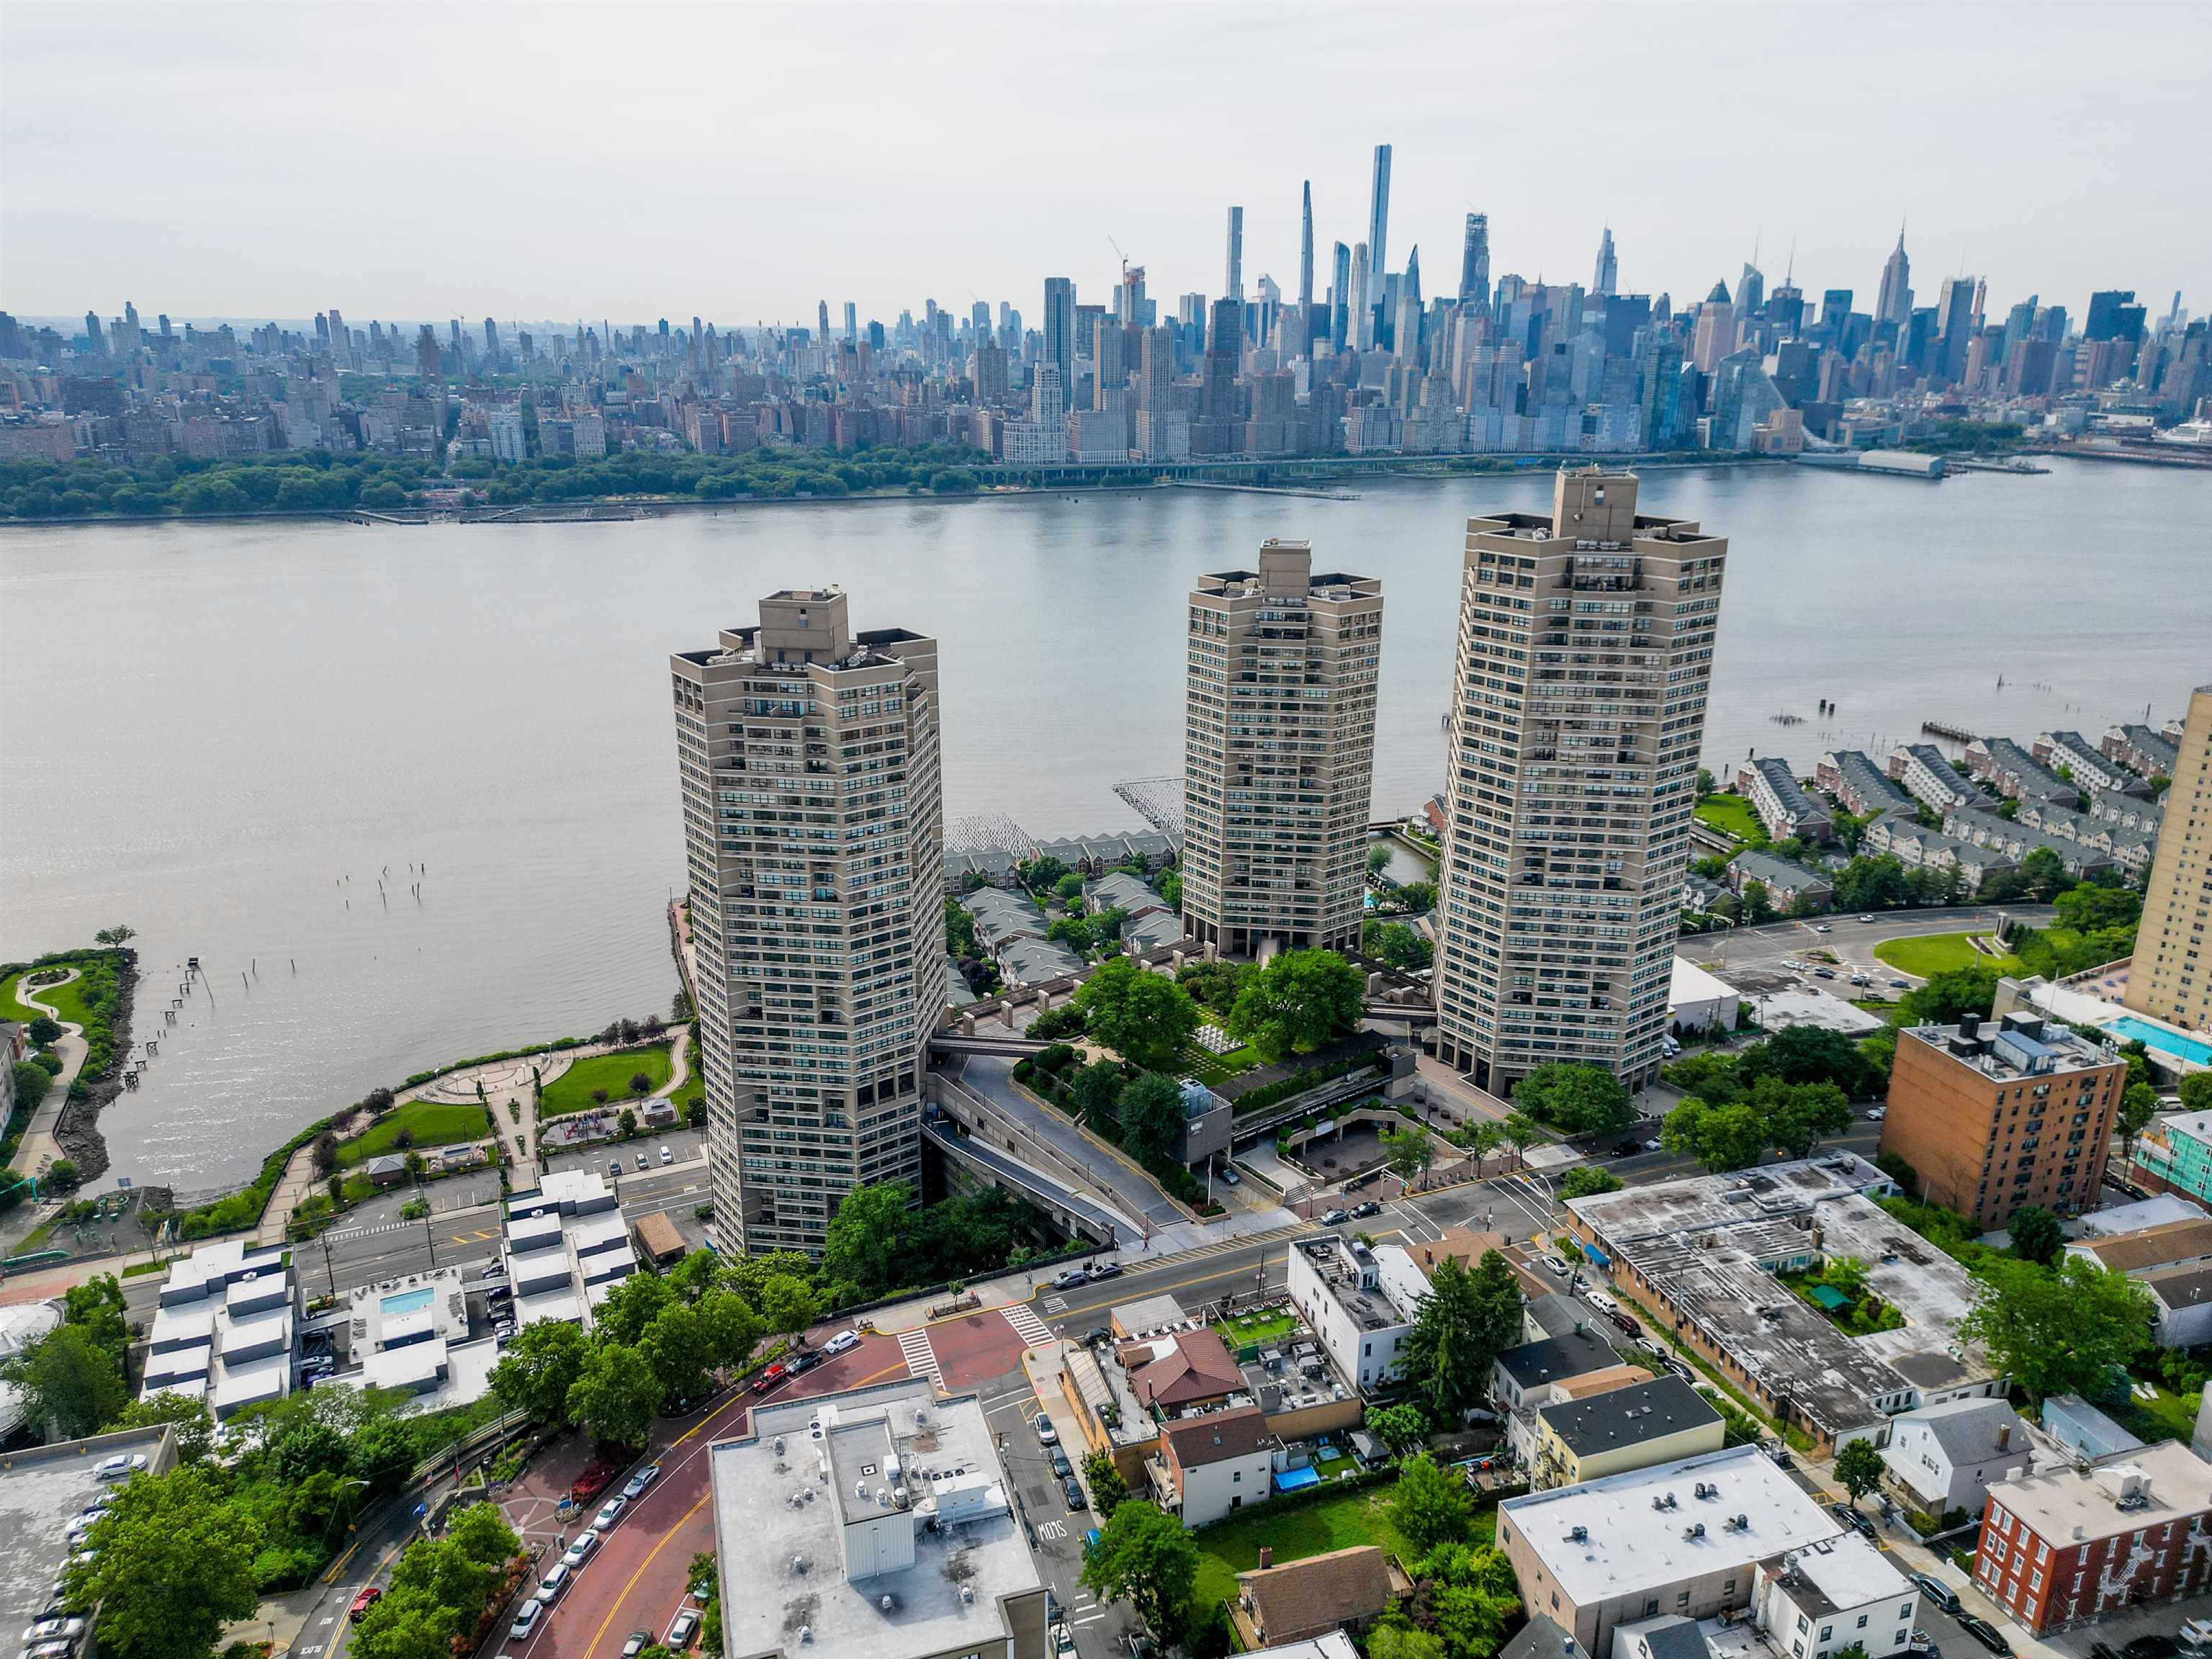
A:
(77, 1130)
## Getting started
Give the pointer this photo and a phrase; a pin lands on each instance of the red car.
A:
(769, 1378)
(361, 1603)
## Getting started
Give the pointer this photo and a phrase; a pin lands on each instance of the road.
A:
(1765, 947)
(990, 1077)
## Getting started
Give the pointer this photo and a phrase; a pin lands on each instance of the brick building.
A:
(1996, 1116)
(2073, 1544)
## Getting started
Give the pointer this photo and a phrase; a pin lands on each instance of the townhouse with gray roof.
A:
(2015, 774)
(1784, 882)
(2142, 750)
(2086, 766)
(2130, 849)
(2132, 812)
(2017, 841)
(1781, 801)
(1929, 777)
(1852, 776)
(1918, 848)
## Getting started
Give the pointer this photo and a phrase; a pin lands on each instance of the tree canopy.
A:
(1462, 1325)
(614, 1397)
(69, 1379)
(1298, 1002)
(1575, 1100)
(1146, 1018)
(539, 1367)
(1429, 1506)
(1144, 1557)
(173, 1563)
(2061, 1330)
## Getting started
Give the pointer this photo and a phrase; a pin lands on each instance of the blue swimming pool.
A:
(2167, 1042)
(407, 1302)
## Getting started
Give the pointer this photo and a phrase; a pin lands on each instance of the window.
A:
(1826, 1631)
(1862, 1619)
(1803, 1623)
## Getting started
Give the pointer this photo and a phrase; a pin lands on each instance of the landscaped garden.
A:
(573, 1090)
(1732, 815)
(12, 1007)
(1257, 1327)
(419, 1123)
(1928, 954)
(1214, 1070)
(1296, 1528)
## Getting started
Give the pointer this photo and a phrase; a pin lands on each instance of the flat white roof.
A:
(2065, 1504)
(1691, 983)
(1850, 1572)
(1627, 1545)
(2117, 1218)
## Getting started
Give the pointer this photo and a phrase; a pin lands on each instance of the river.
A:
(225, 734)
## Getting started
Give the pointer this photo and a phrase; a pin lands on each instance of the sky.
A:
(740, 162)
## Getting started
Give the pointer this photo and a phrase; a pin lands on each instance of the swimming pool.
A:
(407, 1302)
(2165, 1041)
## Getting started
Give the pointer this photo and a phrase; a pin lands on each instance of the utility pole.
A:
(329, 1272)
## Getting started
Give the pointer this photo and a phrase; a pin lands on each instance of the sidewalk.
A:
(38, 1147)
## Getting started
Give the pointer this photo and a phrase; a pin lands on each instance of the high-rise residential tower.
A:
(1305, 269)
(2171, 976)
(1363, 304)
(1060, 328)
(1279, 753)
(814, 834)
(1340, 295)
(1235, 289)
(1578, 706)
(1606, 279)
(1378, 222)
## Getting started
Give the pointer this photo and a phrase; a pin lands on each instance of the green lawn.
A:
(2171, 1416)
(571, 1091)
(1731, 815)
(1938, 953)
(1214, 1070)
(1267, 1325)
(68, 1000)
(10, 1009)
(434, 1123)
(1296, 1528)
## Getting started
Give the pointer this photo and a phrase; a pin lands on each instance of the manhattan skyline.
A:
(414, 173)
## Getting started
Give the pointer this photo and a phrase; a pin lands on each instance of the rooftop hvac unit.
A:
(805, 1634)
(1696, 1530)
(799, 1564)
(778, 1445)
(1579, 1535)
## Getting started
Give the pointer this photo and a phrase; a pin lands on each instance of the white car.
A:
(843, 1342)
(667, 1157)
(114, 1469)
(610, 1512)
(526, 1619)
(555, 1581)
(53, 1630)
(1047, 1434)
(579, 1552)
(1600, 1300)
(638, 1482)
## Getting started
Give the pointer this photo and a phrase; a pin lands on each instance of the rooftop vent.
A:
(1696, 1530)
(800, 1564)
(805, 1634)
(1578, 1535)
(888, 1602)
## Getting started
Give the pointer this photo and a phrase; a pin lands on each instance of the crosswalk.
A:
(1222, 1247)
(921, 1358)
(1027, 1326)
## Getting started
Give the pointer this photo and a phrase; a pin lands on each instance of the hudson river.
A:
(225, 734)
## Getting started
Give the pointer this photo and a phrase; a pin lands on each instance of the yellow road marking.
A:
(651, 1556)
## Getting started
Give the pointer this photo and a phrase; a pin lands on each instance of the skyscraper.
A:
(1569, 789)
(1279, 753)
(1235, 289)
(1340, 295)
(1475, 266)
(1606, 277)
(1060, 327)
(1378, 222)
(1750, 290)
(1362, 310)
(2172, 978)
(1305, 268)
(814, 835)
(1894, 304)
(1956, 324)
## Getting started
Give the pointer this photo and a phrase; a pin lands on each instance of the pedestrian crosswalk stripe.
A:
(921, 1358)
(1027, 1326)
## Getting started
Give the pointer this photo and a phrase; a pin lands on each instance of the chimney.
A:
(1266, 1557)
(2004, 1436)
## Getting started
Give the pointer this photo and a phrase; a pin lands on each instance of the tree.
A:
(324, 1152)
(732, 1330)
(640, 1085)
(1108, 1491)
(97, 1306)
(859, 1247)
(1757, 907)
(1969, 990)
(539, 1367)
(1298, 1002)
(1378, 858)
(788, 1304)
(2042, 874)
(1402, 1428)
(1429, 1506)
(121, 934)
(1859, 1466)
(1575, 1100)
(1399, 1638)
(188, 1416)
(1215, 985)
(2036, 1235)
(679, 1350)
(1468, 1596)
(1588, 1181)
(613, 1399)
(1461, 1326)
(1520, 1131)
(1395, 945)
(1153, 1118)
(1805, 1054)
(2061, 1330)
(634, 1303)
(2196, 1091)
(69, 1380)
(1718, 1137)
(2138, 1105)
(1144, 1557)
(173, 1563)
(1483, 1140)
(1797, 1115)
(1097, 1092)
(45, 1030)
(1143, 1017)
(1411, 1150)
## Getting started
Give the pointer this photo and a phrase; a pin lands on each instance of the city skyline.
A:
(223, 230)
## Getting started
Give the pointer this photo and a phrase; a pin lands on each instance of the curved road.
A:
(1852, 940)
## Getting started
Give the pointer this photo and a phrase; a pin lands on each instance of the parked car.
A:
(555, 1581)
(1877, 1113)
(491, 1270)
(1850, 1514)
(117, 1467)
(1335, 1218)
(2197, 1633)
(800, 1364)
(1060, 1466)
(843, 1342)
(1937, 1591)
(1654, 1146)
(1096, 1334)
(1824, 972)
(1897, 985)
(1780, 1455)
(1558, 1265)
(610, 1512)
(682, 1629)
(1068, 1278)
(1104, 1270)
(1600, 1300)
(614, 1167)
(1229, 1176)
(578, 1552)
(1047, 1434)
(1985, 1633)
(770, 1377)
(53, 1630)
(638, 1482)
(1866, 918)
(2153, 1646)
(1361, 1211)
(526, 1619)
(1072, 1490)
(667, 1157)
(1824, 928)
(636, 1642)
(500, 1293)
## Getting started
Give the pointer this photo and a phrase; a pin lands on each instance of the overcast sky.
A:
(740, 162)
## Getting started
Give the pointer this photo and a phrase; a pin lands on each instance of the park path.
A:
(38, 1147)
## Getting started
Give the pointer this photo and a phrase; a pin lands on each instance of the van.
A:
(526, 1619)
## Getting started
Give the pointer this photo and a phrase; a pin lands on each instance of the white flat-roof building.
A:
(412, 1334)
(1681, 1538)
(223, 1327)
(1835, 1593)
(565, 1247)
(1698, 1001)
(873, 1524)
(20, 1327)
(1339, 1287)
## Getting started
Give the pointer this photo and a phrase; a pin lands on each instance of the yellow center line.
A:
(651, 1556)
